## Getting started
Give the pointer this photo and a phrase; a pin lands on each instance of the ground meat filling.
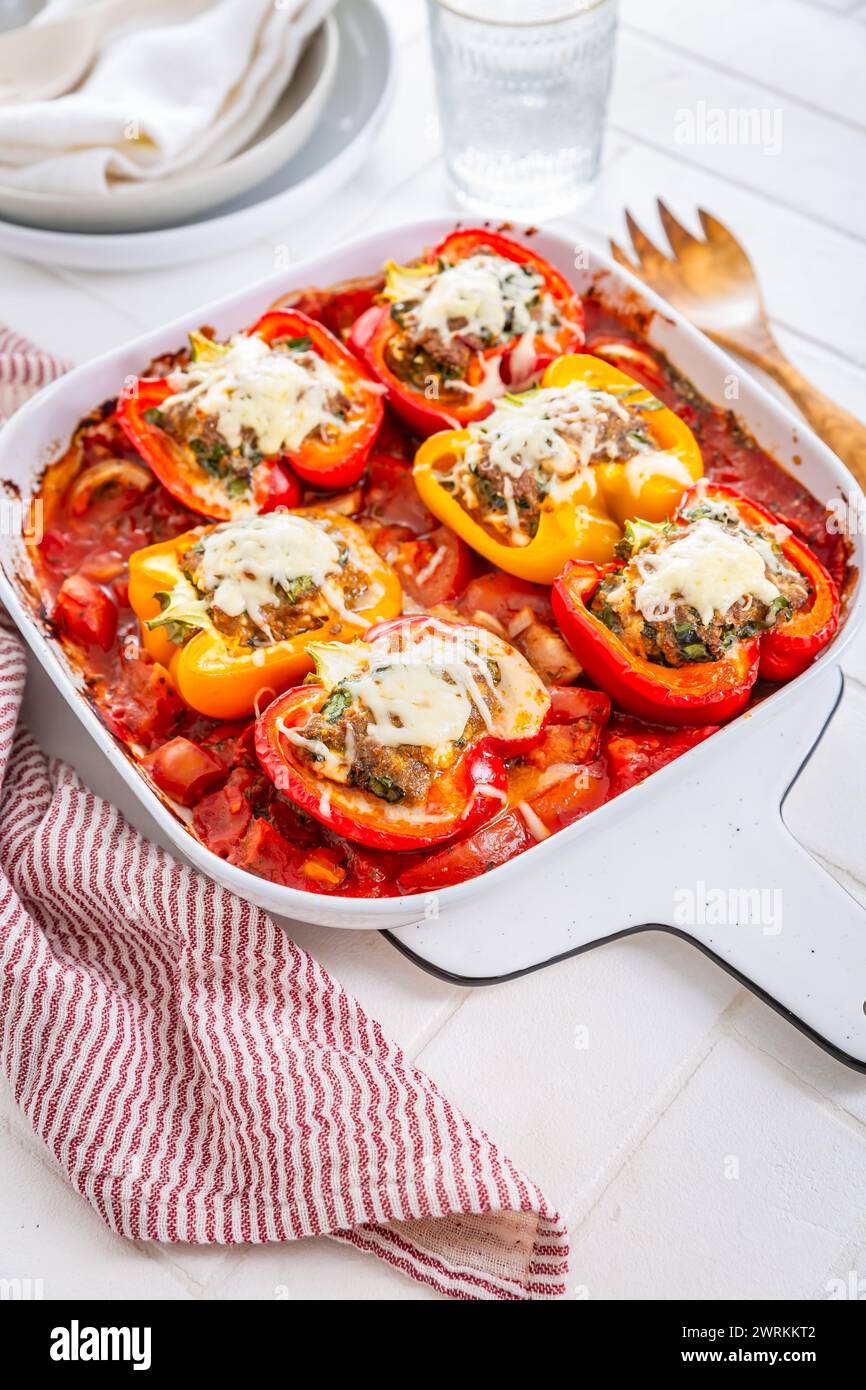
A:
(300, 608)
(394, 774)
(507, 497)
(420, 352)
(617, 440)
(683, 638)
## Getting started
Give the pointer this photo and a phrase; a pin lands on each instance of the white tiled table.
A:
(686, 1077)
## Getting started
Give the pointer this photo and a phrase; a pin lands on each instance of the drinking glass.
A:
(522, 87)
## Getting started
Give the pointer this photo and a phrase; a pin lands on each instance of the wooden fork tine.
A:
(648, 256)
(714, 230)
(619, 255)
(679, 236)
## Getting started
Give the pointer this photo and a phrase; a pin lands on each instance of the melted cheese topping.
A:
(555, 430)
(247, 566)
(281, 396)
(423, 692)
(244, 562)
(554, 433)
(480, 294)
(413, 704)
(709, 568)
(655, 463)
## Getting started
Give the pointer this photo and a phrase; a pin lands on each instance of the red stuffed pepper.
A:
(401, 742)
(699, 606)
(482, 315)
(792, 644)
(228, 431)
(691, 694)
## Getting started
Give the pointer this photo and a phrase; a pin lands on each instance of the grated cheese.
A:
(709, 569)
(479, 296)
(534, 824)
(281, 396)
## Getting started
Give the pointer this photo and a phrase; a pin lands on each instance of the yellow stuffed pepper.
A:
(553, 474)
(231, 609)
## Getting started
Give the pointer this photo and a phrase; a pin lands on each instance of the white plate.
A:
(134, 206)
(362, 91)
(604, 873)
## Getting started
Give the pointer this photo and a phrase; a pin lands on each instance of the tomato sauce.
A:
(99, 508)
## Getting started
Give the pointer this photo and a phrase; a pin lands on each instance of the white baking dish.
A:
(39, 431)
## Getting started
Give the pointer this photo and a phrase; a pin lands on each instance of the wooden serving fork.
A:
(713, 283)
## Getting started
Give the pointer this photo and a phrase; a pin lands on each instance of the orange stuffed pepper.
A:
(231, 609)
(553, 474)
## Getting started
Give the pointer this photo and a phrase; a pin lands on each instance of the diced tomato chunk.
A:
(566, 743)
(573, 796)
(144, 706)
(572, 702)
(264, 851)
(221, 819)
(502, 596)
(392, 497)
(232, 744)
(85, 612)
(326, 867)
(184, 770)
(493, 844)
(634, 750)
(432, 569)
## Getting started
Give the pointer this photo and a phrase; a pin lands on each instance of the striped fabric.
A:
(199, 1077)
(23, 369)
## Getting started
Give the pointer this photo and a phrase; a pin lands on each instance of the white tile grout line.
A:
(673, 1085)
(773, 201)
(852, 1122)
(161, 1253)
(855, 364)
(700, 59)
(38, 1150)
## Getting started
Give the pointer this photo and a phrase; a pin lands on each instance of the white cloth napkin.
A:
(181, 88)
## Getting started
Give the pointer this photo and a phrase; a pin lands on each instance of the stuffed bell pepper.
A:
(401, 741)
(231, 609)
(696, 609)
(482, 315)
(230, 432)
(553, 474)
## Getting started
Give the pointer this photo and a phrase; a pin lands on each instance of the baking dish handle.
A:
(702, 850)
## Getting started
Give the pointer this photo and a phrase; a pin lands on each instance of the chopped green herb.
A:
(384, 788)
(695, 651)
(209, 456)
(611, 619)
(639, 439)
(336, 704)
(297, 588)
(637, 534)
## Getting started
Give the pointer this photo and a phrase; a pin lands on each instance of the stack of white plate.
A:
(312, 141)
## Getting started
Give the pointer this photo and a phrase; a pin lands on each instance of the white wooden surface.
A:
(634, 1082)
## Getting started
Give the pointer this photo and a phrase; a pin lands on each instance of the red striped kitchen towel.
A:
(196, 1074)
